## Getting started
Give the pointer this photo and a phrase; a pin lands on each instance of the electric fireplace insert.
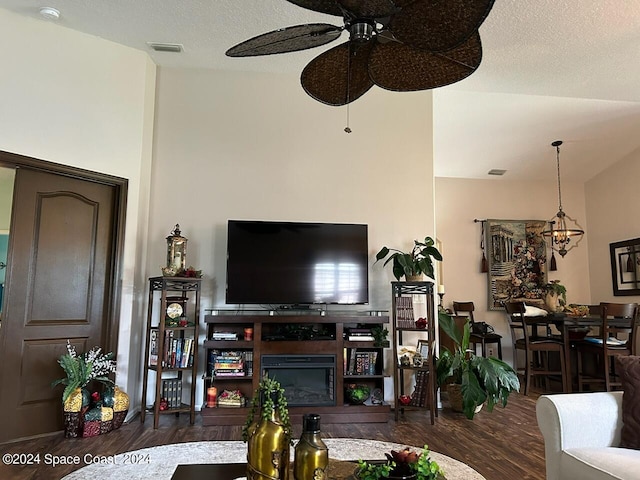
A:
(308, 380)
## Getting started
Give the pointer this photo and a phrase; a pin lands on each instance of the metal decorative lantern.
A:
(177, 250)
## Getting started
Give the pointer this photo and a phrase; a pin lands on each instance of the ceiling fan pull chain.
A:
(347, 129)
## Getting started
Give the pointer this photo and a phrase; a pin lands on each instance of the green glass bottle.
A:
(311, 456)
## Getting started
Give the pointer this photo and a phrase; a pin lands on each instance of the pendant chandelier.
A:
(562, 233)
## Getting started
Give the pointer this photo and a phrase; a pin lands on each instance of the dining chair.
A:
(617, 336)
(466, 309)
(536, 348)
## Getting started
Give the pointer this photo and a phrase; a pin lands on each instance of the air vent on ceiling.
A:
(166, 47)
(497, 171)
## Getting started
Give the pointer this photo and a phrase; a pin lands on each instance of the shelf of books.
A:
(177, 351)
(171, 347)
(413, 347)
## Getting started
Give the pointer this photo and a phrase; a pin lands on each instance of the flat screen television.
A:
(289, 263)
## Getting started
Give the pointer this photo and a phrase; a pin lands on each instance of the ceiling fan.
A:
(399, 45)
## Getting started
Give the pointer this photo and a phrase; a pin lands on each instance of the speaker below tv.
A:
(297, 263)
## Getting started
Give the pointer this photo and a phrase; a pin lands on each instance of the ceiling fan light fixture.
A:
(361, 31)
(562, 233)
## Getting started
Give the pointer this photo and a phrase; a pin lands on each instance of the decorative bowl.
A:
(169, 271)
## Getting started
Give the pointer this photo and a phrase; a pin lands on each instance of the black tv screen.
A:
(296, 263)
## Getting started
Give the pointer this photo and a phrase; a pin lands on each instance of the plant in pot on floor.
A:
(84, 370)
(478, 379)
(414, 264)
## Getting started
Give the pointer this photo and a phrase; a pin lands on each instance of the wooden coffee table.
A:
(338, 470)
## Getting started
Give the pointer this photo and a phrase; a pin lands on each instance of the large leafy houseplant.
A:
(416, 262)
(482, 379)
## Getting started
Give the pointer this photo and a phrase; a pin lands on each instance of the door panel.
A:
(59, 262)
(75, 267)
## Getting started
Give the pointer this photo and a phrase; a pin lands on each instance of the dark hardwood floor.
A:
(505, 444)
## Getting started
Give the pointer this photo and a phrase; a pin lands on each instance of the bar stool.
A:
(536, 349)
(465, 309)
(618, 319)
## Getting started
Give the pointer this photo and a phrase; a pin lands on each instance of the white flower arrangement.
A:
(84, 368)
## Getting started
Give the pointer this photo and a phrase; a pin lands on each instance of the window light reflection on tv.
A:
(336, 279)
(296, 263)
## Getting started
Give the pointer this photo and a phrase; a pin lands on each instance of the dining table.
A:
(569, 327)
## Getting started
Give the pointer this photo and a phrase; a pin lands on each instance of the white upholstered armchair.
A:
(582, 436)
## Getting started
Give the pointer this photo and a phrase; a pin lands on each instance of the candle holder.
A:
(176, 251)
(441, 305)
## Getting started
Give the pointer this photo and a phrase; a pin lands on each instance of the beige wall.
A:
(79, 100)
(238, 146)
(613, 198)
(257, 147)
(460, 201)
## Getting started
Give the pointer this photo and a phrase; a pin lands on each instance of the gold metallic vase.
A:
(268, 450)
(311, 456)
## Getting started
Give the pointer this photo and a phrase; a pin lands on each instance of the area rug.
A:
(159, 463)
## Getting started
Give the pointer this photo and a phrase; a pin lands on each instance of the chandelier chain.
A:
(558, 167)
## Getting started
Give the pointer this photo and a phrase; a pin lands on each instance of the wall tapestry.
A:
(625, 267)
(517, 261)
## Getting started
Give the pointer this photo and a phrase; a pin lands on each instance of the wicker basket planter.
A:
(455, 398)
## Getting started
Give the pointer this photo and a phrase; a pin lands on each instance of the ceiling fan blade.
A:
(338, 76)
(439, 25)
(330, 7)
(370, 8)
(398, 67)
(290, 39)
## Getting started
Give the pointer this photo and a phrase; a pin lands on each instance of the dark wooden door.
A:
(61, 246)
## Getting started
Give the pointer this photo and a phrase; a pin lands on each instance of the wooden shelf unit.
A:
(167, 287)
(264, 325)
(423, 396)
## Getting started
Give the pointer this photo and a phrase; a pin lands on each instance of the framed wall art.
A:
(625, 267)
(517, 261)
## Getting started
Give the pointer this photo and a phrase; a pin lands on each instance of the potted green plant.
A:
(269, 398)
(480, 379)
(405, 464)
(556, 297)
(380, 333)
(419, 261)
(268, 437)
(83, 368)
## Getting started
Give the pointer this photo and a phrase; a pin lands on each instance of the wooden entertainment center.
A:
(316, 333)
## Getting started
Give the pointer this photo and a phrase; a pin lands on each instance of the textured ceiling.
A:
(552, 69)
